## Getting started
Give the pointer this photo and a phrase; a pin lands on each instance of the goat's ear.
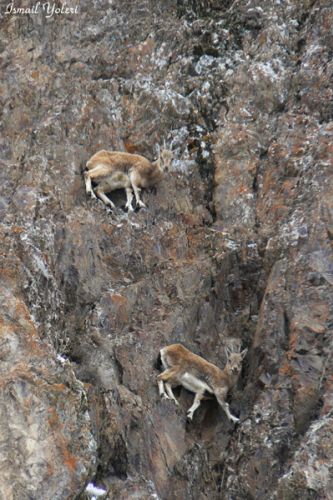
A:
(243, 353)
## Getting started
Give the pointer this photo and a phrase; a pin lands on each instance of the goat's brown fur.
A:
(182, 367)
(135, 171)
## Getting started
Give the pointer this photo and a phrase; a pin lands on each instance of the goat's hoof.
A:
(141, 204)
(190, 417)
(164, 396)
(235, 420)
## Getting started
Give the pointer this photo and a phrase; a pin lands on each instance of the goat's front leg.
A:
(225, 407)
(136, 189)
(195, 405)
(170, 393)
(129, 196)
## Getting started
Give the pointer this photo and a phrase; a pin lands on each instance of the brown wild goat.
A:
(112, 170)
(197, 375)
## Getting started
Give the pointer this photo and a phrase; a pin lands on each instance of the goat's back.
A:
(118, 160)
(177, 354)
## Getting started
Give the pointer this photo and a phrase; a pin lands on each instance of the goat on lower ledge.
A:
(182, 367)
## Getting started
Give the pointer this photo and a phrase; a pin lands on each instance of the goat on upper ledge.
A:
(112, 170)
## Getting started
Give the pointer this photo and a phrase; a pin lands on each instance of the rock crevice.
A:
(235, 249)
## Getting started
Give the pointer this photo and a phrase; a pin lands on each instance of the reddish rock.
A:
(234, 248)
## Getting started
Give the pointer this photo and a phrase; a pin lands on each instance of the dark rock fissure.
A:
(233, 250)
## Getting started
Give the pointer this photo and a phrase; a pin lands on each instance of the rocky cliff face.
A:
(235, 248)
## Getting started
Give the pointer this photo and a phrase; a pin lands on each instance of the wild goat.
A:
(112, 170)
(197, 375)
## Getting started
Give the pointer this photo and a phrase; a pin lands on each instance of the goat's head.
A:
(234, 360)
(164, 158)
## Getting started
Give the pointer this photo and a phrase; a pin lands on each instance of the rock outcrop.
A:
(234, 249)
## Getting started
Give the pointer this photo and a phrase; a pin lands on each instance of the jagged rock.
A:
(234, 248)
(48, 449)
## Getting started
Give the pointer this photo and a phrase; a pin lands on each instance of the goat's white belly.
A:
(193, 384)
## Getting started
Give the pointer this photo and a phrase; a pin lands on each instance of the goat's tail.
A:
(88, 164)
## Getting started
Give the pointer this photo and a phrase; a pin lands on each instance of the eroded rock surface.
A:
(235, 248)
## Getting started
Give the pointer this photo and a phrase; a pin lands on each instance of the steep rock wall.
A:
(234, 248)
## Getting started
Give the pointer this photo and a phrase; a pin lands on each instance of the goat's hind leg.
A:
(102, 196)
(161, 390)
(87, 180)
(166, 378)
(98, 172)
